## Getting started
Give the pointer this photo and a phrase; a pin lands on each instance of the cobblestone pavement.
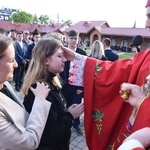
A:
(77, 142)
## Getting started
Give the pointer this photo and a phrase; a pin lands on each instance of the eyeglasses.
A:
(27, 33)
(71, 38)
(37, 37)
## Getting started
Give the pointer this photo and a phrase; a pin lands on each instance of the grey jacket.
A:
(18, 130)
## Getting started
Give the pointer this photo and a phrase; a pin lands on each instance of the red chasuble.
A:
(106, 114)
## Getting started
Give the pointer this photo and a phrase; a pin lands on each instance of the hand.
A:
(68, 53)
(41, 90)
(76, 110)
(24, 62)
(79, 92)
(136, 94)
(142, 135)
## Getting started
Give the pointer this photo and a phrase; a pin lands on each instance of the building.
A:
(31, 27)
(121, 37)
(89, 32)
(6, 12)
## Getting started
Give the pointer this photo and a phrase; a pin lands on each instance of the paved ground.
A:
(78, 142)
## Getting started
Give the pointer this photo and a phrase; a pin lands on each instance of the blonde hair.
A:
(37, 70)
(97, 50)
(55, 35)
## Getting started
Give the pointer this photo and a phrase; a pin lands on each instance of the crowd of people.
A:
(113, 94)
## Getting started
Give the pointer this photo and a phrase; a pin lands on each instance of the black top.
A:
(5, 91)
(112, 56)
(57, 132)
(104, 58)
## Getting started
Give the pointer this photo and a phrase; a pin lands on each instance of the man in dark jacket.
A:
(36, 38)
(72, 94)
(20, 56)
(112, 56)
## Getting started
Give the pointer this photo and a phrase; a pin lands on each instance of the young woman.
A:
(18, 129)
(47, 61)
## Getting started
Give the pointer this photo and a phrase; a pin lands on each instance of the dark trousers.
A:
(77, 100)
(71, 97)
(18, 75)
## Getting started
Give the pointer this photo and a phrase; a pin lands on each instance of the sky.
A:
(117, 13)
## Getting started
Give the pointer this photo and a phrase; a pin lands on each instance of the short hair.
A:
(36, 33)
(13, 30)
(73, 32)
(25, 31)
(2, 31)
(107, 41)
(19, 32)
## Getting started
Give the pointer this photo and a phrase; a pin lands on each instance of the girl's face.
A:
(7, 64)
(55, 63)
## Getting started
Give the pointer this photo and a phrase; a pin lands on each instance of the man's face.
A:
(147, 24)
(13, 34)
(72, 41)
(20, 37)
(37, 38)
(26, 34)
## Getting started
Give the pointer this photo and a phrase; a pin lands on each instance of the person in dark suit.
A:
(72, 94)
(36, 38)
(20, 56)
(112, 56)
(26, 37)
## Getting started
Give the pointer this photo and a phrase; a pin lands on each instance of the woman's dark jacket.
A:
(57, 132)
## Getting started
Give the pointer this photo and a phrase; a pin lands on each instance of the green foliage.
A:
(25, 17)
(21, 16)
(44, 19)
(35, 19)
(69, 22)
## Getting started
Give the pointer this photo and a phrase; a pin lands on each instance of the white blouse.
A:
(76, 72)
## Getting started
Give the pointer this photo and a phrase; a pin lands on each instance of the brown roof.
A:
(6, 25)
(86, 26)
(126, 31)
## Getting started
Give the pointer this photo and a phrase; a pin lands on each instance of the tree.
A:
(21, 16)
(69, 22)
(35, 19)
(25, 17)
(44, 19)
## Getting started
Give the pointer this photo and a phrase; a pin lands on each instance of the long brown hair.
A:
(4, 43)
(37, 70)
